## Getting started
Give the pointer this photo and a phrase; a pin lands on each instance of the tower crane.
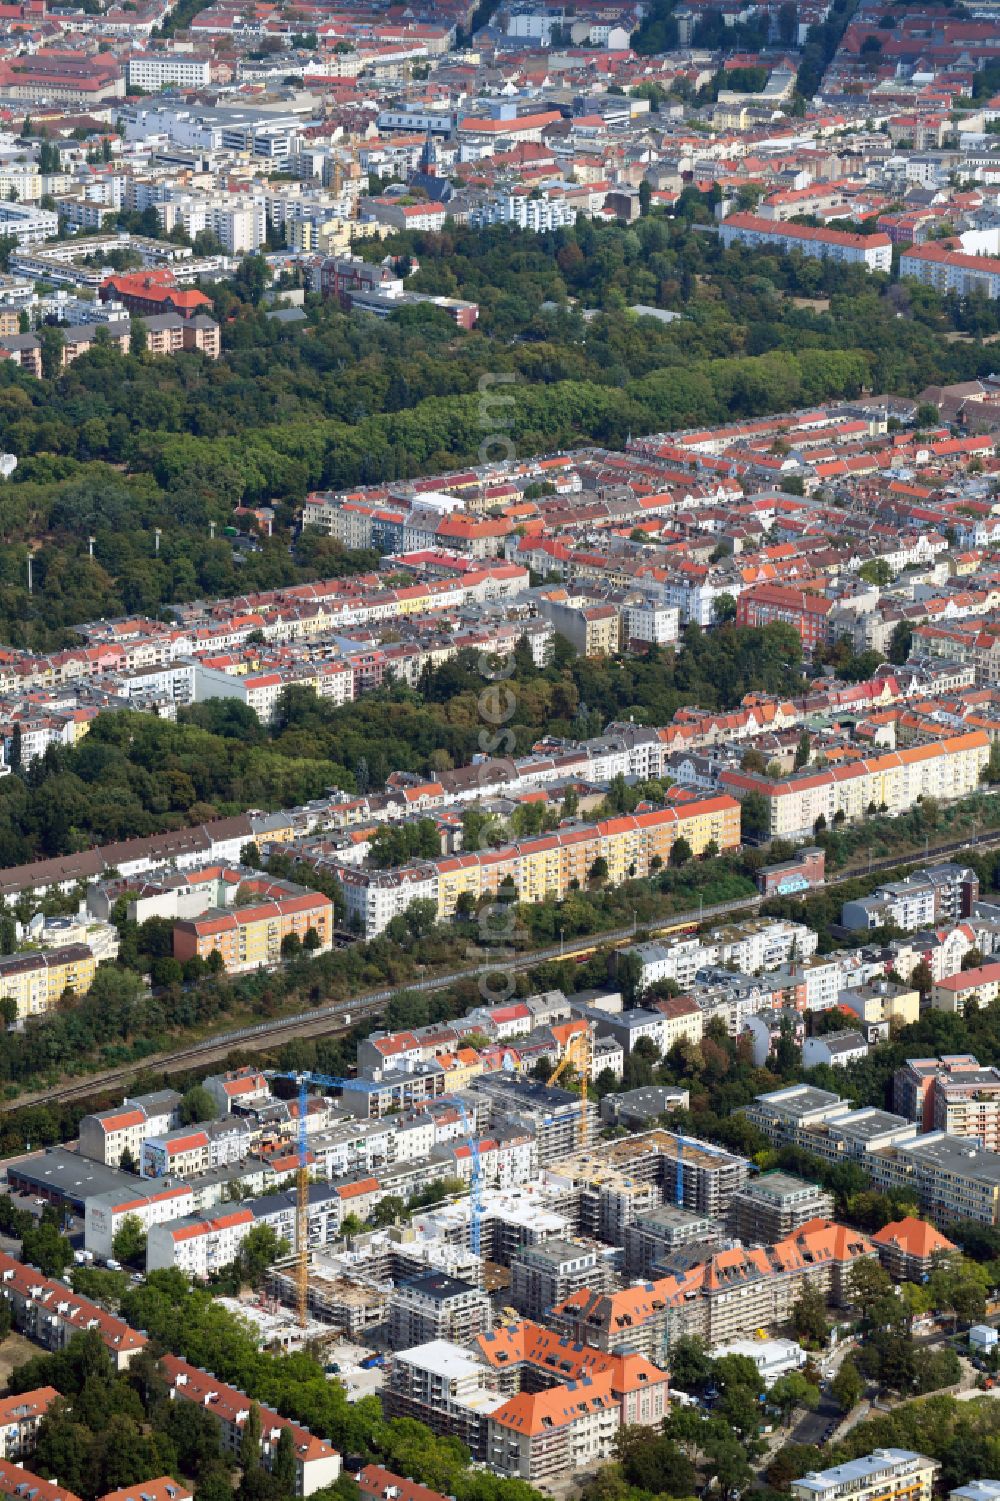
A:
(303, 1081)
(579, 1054)
(476, 1181)
(689, 1141)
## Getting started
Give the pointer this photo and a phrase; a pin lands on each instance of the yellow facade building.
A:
(37, 980)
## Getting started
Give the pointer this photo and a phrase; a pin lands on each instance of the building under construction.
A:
(560, 1121)
(348, 1304)
(621, 1180)
(437, 1307)
(511, 1219)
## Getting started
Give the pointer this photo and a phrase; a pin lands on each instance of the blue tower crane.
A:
(476, 1182)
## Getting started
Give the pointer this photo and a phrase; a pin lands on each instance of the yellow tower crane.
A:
(579, 1055)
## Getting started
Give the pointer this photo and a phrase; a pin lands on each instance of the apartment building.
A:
(67, 78)
(169, 333)
(892, 783)
(545, 866)
(79, 338)
(261, 691)
(191, 1150)
(374, 1098)
(105, 1213)
(725, 1296)
(950, 270)
(20, 1418)
(821, 1122)
(16, 1484)
(317, 1463)
(199, 1245)
(250, 937)
(593, 629)
(326, 1208)
(913, 1084)
(834, 1049)
(36, 981)
(613, 1186)
(240, 1088)
(388, 213)
(106, 1135)
(51, 1313)
(152, 71)
(941, 894)
(967, 1104)
(538, 1436)
(883, 1475)
(909, 1249)
(566, 1400)
(442, 1385)
(878, 1005)
(378, 1484)
(976, 1490)
(951, 1178)
(558, 1120)
(775, 1205)
(165, 1488)
(542, 1276)
(19, 1484)
(437, 1307)
(769, 604)
(953, 993)
(749, 947)
(651, 1238)
(874, 252)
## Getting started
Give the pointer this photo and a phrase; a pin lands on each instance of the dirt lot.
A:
(960, 338)
(14, 1351)
(818, 304)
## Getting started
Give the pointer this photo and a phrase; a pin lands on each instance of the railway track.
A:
(328, 1021)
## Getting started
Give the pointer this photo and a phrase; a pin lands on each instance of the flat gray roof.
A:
(60, 1171)
(879, 1462)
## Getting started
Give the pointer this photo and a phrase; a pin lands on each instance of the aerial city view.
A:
(499, 750)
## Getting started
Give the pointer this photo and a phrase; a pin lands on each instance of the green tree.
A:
(129, 1244)
(809, 1316)
(680, 852)
(755, 816)
(261, 1248)
(214, 1483)
(250, 1439)
(43, 1246)
(922, 977)
(876, 571)
(690, 1365)
(900, 641)
(847, 1387)
(53, 344)
(197, 1105)
(792, 1391)
(283, 1469)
